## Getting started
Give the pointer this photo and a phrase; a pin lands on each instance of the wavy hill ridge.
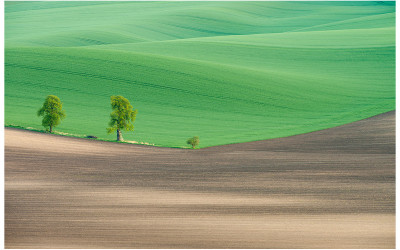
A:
(177, 20)
(225, 71)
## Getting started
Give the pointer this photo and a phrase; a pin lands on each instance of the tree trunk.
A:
(119, 135)
(51, 129)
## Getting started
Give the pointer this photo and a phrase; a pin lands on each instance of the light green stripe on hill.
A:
(227, 72)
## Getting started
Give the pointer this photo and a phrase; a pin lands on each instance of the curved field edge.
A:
(344, 177)
(59, 133)
(179, 98)
(224, 71)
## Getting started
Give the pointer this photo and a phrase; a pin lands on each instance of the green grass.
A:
(227, 72)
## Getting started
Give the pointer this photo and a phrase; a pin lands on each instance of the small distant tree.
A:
(194, 141)
(52, 112)
(122, 117)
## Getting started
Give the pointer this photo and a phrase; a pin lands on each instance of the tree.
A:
(194, 141)
(122, 117)
(52, 112)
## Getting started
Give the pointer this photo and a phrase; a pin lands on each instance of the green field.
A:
(227, 72)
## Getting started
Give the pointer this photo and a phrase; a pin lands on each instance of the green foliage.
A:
(194, 141)
(228, 76)
(52, 112)
(122, 117)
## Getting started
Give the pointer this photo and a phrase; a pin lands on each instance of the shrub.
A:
(194, 141)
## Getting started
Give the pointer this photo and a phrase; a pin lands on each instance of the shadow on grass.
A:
(84, 136)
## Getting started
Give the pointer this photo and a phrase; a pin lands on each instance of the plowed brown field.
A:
(333, 188)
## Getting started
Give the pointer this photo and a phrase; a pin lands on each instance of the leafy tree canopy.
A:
(52, 112)
(122, 117)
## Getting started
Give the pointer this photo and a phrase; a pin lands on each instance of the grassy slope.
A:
(225, 71)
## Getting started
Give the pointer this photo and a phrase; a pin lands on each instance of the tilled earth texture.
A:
(333, 188)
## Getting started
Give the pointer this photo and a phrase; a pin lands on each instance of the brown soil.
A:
(328, 189)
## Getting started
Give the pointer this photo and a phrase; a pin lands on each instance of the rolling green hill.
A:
(227, 72)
